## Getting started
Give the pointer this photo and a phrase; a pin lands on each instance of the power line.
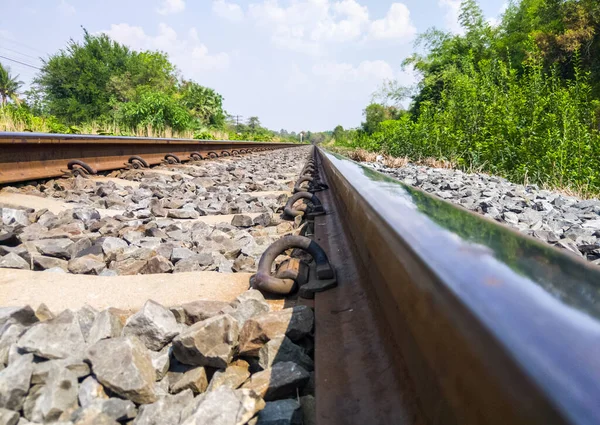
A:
(21, 43)
(20, 53)
(22, 63)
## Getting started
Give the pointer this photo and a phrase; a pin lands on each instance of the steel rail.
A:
(31, 156)
(442, 316)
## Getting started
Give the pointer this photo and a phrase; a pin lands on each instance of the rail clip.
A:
(319, 277)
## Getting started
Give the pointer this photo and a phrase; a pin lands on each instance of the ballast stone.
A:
(208, 343)
(154, 325)
(295, 323)
(280, 381)
(281, 412)
(125, 367)
(56, 338)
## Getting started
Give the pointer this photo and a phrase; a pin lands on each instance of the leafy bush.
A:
(204, 135)
(156, 110)
(535, 126)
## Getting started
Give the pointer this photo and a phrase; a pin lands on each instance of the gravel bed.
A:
(205, 362)
(155, 229)
(563, 221)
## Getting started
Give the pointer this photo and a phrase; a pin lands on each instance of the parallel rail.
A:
(442, 316)
(30, 156)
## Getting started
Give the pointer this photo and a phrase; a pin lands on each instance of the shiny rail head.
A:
(507, 296)
(24, 135)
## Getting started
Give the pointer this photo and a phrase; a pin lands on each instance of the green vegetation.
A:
(101, 86)
(520, 100)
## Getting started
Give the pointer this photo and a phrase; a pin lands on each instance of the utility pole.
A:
(237, 121)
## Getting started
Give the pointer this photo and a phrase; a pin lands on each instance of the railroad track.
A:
(424, 313)
(30, 156)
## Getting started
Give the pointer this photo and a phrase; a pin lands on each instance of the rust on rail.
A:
(31, 156)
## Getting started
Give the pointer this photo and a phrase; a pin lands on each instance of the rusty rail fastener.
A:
(138, 162)
(172, 159)
(268, 283)
(78, 167)
(293, 212)
(196, 156)
(314, 184)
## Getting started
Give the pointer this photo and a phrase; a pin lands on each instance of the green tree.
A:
(338, 132)
(253, 124)
(375, 114)
(86, 81)
(9, 86)
(204, 103)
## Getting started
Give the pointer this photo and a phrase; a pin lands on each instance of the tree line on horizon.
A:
(101, 86)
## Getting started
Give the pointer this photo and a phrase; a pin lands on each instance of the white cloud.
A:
(344, 72)
(395, 25)
(451, 17)
(495, 21)
(308, 25)
(66, 8)
(188, 53)
(169, 7)
(229, 11)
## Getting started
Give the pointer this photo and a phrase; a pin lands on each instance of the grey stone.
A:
(58, 395)
(89, 391)
(12, 216)
(194, 379)
(154, 325)
(295, 323)
(232, 377)
(282, 349)
(197, 311)
(224, 406)
(240, 220)
(281, 412)
(88, 264)
(14, 382)
(158, 264)
(208, 343)
(280, 381)
(198, 262)
(112, 246)
(57, 338)
(183, 214)
(125, 367)
(13, 261)
(42, 262)
(43, 370)
(8, 417)
(115, 408)
(161, 360)
(128, 267)
(167, 410)
(107, 324)
(249, 308)
(263, 219)
(59, 248)
(181, 254)
(511, 217)
(22, 315)
(86, 316)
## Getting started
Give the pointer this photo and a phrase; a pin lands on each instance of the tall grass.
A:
(19, 119)
(531, 127)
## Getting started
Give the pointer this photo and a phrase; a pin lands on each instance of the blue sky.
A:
(296, 64)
